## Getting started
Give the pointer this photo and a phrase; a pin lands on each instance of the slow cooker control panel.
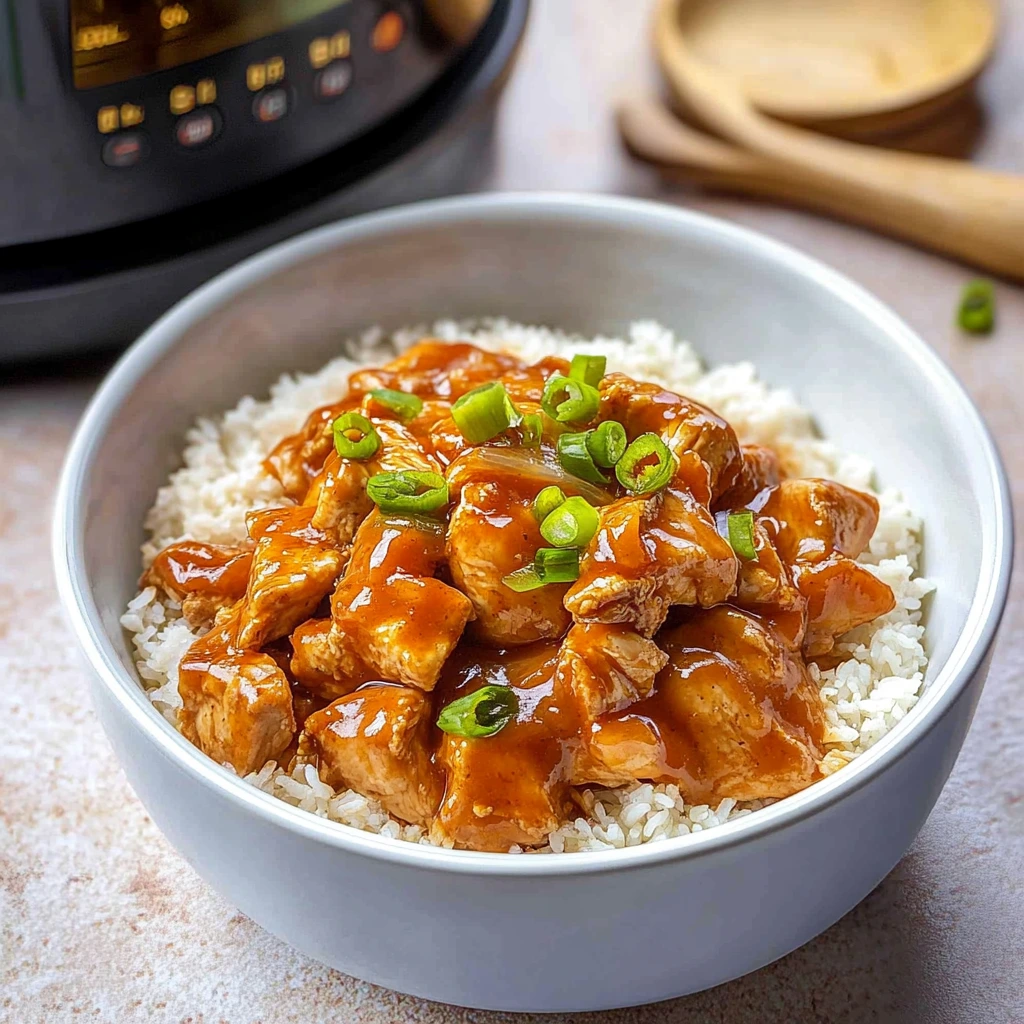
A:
(259, 108)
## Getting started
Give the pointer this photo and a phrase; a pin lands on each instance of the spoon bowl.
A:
(851, 67)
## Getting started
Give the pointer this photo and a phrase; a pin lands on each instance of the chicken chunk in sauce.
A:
(236, 703)
(293, 569)
(734, 713)
(653, 552)
(205, 578)
(342, 629)
(511, 788)
(493, 532)
(339, 490)
(818, 528)
(684, 425)
(390, 616)
(380, 742)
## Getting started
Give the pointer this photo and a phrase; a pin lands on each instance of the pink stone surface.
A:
(101, 920)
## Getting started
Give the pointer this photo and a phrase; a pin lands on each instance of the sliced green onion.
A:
(571, 525)
(485, 412)
(406, 407)
(575, 457)
(354, 436)
(532, 429)
(589, 369)
(557, 565)
(977, 312)
(607, 443)
(523, 579)
(547, 501)
(408, 491)
(570, 401)
(481, 713)
(646, 465)
(741, 535)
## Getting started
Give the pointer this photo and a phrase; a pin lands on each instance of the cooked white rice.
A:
(221, 480)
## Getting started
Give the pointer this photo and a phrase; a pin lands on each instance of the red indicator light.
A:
(388, 32)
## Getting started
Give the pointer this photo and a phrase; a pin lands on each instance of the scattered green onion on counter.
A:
(354, 436)
(589, 369)
(607, 443)
(485, 412)
(481, 713)
(575, 458)
(409, 491)
(570, 401)
(647, 465)
(977, 311)
(405, 406)
(741, 535)
(572, 524)
(547, 501)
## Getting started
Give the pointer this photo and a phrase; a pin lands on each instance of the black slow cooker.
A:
(147, 144)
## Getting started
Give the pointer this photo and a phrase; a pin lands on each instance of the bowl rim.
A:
(123, 687)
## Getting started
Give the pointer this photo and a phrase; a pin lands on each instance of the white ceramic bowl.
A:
(583, 931)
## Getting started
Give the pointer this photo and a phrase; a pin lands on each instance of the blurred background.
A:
(148, 144)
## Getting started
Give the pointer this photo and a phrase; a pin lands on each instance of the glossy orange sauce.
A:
(192, 567)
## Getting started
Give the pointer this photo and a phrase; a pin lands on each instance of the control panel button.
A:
(125, 149)
(197, 128)
(333, 80)
(270, 105)
(132, 114)
(255, 77)
(182, 99)
(206, 91)
(108, 119)
(275, 70)
(319, 52)
(324, 49)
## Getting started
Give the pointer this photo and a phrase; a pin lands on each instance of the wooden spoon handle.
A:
(953, 207)
(653, 133)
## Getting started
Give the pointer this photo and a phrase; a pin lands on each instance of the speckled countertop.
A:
(101, 920)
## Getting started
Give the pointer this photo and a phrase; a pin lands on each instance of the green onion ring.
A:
(575, 458)
(647, 465)
(607, 443)
(362, 446)
(977, 312)
(523, 580)
(408, 491)
(589, 369)
(532, 429)
(405, 406)
(570, 401)
(485, 412)
(481, 713)
(571, 525)
(557, 565)
(547, 501)
(741, 535)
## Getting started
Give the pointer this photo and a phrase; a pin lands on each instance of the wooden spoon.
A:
(857, 68)
(652, 132)
(953, 207)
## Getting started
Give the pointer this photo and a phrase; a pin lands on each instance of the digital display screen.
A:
(114, 40)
